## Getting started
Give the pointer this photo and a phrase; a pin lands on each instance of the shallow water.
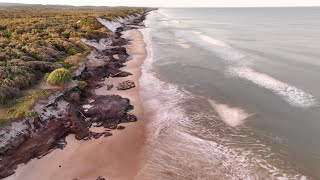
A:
(232, 93)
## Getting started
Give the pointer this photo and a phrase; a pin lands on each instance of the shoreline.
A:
(73, 125)
(105, 157)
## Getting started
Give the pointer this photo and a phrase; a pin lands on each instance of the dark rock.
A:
(131, 118)
(108, 111)
(109, 87)
(121, 52)
(106, 134)
(126, 85)
(100, 178)
(121, 74)
(86, 138)
(120, 127)
(84, 75)
(112, 126)
(115, 50)
(61, 144)
(99, 85)
(97, 135)
(119, 42)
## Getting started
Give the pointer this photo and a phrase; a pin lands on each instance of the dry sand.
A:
(116, 157)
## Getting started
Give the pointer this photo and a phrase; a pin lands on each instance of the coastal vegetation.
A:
(59, 76)
(38, 40)
(82, 84)
(17, 107)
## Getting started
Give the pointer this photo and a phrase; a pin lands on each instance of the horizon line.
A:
(21, 4)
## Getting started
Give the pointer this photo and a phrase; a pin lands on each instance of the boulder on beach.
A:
(109, 87)
(109, 111)
(122, 74)
(126, 85)
(100, 178)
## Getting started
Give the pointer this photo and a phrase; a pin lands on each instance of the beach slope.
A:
(116, 157)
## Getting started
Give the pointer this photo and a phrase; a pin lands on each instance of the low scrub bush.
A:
(30, 114)
(34, 42)
(82, 84)
(3, 122)
(59, 76)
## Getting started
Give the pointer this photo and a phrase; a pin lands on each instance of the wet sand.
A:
(116, 157)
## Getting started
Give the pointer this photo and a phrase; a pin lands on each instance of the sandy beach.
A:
(116, 157)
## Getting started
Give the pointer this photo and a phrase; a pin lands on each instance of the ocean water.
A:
(232, 93)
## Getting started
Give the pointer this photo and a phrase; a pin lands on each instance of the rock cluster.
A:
(126, 85)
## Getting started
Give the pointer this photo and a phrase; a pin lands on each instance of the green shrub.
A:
(71, 51)
(3, 121)
(5, 33)
(30, 114)
(59, 76)
(65, 65)
(82, 84)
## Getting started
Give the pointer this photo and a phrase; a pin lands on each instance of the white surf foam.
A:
(210, 40)
(172, 151)
(221, 49)
(238, 65)
(232, 116)
(169, 95)
(182, 43)
(175, 21)
(291, 94)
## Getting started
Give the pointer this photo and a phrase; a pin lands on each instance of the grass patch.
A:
(21, 106)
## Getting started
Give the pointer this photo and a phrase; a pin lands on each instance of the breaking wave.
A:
(291, 94)
(179, 146)
(238, 65)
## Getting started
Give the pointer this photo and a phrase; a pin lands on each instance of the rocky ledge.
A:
(72, 110)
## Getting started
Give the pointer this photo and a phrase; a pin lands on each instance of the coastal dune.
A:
(116, 157)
